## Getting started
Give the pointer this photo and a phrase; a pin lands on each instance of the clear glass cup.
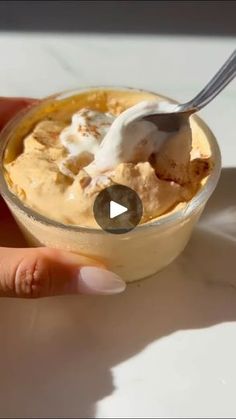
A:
(138, 254)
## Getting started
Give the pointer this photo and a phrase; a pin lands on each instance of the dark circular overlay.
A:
(121, 195)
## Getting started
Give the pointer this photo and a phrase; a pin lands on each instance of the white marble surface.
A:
(166, 348)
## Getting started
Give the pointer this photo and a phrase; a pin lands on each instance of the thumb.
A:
(9, 107)
(43, 272)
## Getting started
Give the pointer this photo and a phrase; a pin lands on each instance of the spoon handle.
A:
(223, 77)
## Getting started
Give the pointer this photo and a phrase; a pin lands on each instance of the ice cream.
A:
(63, 167)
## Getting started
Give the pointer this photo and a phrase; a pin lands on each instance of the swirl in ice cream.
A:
(63, 167)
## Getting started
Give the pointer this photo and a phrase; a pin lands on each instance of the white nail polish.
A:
(94, 280)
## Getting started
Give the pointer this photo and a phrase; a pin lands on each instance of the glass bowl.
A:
(134, 255)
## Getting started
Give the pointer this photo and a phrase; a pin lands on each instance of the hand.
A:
(42, 272)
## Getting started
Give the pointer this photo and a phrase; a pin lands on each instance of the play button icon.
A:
(117, 209)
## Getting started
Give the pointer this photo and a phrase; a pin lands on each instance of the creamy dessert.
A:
(58, 156)
(62, 167)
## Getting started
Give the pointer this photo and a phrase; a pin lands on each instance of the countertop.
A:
(166, 347)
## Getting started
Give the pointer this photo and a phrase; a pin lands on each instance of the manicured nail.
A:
(94, 280)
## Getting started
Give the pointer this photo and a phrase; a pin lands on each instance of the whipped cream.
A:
(113, 140)
(83, 136)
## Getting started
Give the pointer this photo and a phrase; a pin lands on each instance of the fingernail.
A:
(94, 280)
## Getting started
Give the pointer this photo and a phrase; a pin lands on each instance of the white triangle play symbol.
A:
(116, 209)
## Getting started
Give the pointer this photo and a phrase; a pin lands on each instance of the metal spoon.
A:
(172, 121)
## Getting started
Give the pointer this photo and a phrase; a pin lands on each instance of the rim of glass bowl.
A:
(168, 219)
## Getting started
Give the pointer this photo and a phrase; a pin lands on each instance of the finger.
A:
(43, 272)
(4, 210)
(9, 107)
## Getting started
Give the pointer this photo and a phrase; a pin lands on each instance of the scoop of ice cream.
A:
(99, 142)
(130, 138)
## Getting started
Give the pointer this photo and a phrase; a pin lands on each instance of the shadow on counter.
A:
(57, 354)
(137, 17)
